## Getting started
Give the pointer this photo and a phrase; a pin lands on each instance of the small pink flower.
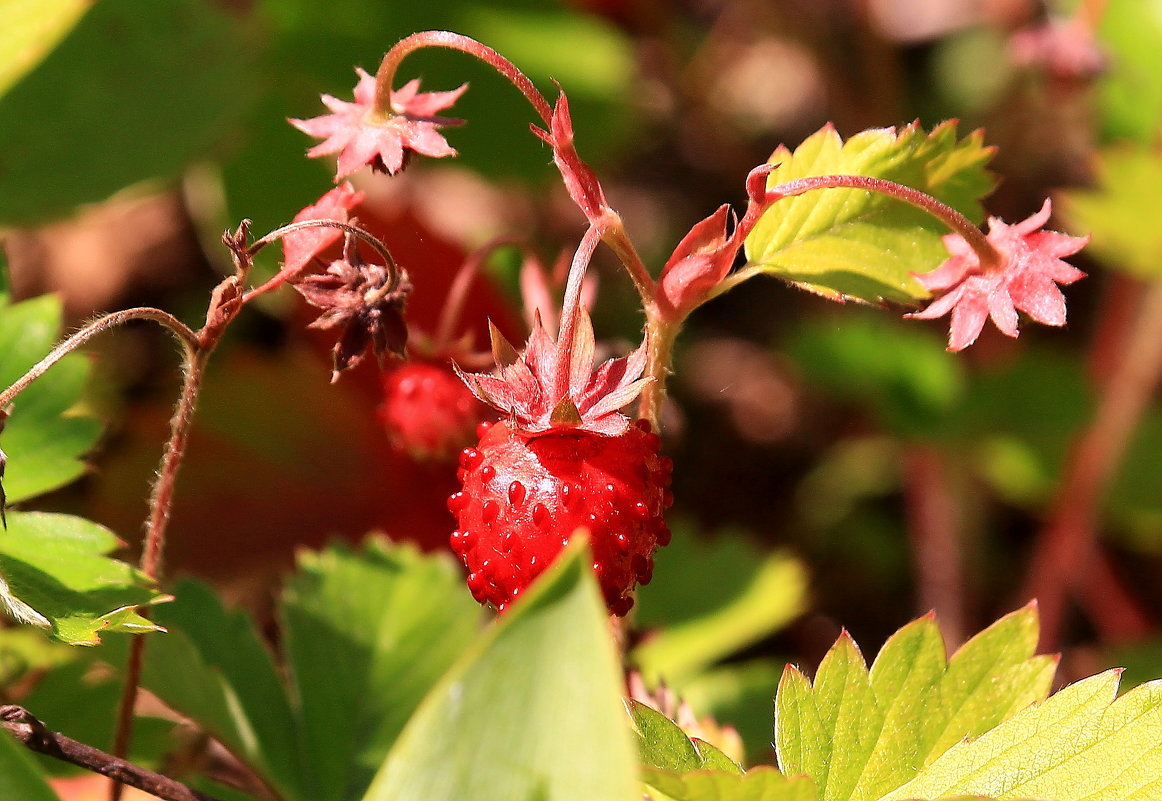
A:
(362, 136)
(299, 247)
(1026, 280)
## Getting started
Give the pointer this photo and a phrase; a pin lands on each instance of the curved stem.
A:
(285, 275)
(957, 222)
(453, 41)
(615, 235)
(570, 307)
(182, 333)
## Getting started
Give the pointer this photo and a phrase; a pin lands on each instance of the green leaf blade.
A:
(54, 568)
(20, 776)
(759, 784)
(860, 733)
(213, 667)
(1079, 744)
(139, 90)
(530, 711)
(43, 441)
(854, 244)
(367, 634)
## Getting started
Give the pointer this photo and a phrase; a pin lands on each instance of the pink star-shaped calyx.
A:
(1026, 279)
(361, 135)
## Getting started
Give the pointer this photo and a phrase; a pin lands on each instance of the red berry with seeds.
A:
(524, 496)
(565, 459)
(427, 410)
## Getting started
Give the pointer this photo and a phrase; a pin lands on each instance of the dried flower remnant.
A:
(363, 135)
(1025, 280)
(364, 301)
(299, 247)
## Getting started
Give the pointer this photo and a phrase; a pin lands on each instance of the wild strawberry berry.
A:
(524, 496)
(565, 459)
(427, 410)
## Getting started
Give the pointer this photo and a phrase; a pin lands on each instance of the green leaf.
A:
(136, 90)
(854, 244)
(20, 776)
(367, 635)
(54, 572)
(530, 711)
(1122, 214)
(1079, 744)
(30, 30)
(1130, 92)
(213, 667)
(42, 438)
(900, 370)
(662, 744)
(760, 784)
(745, 595)
(859, 734)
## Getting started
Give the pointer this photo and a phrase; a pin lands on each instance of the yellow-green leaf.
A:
(854, 244)
(861, 733)
(1079, 745)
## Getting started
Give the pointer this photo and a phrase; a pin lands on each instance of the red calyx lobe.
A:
(525, 496)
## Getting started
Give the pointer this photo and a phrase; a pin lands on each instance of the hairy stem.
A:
(957, 222)
(286, 274)
(182, 333)
(385, 76)
(1065, 545)
(660, 334)
(615, 236)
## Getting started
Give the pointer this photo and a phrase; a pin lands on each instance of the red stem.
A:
(1065, 546)
(957, 222)
(286, 274)
(570, 307)
(453, 41)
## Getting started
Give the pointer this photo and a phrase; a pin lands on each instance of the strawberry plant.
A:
(574, 633)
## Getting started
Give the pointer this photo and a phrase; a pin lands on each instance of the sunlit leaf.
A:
(530, 711)
(861, 733)
(1079, 744)
(55, 572)
(213, 667)
(30, 31)
(663, 744)
(849, 243)
(759, 784)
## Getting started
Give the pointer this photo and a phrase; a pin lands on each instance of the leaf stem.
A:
(286, 274)
(957, 222)
(181, 332)
(453, 41)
